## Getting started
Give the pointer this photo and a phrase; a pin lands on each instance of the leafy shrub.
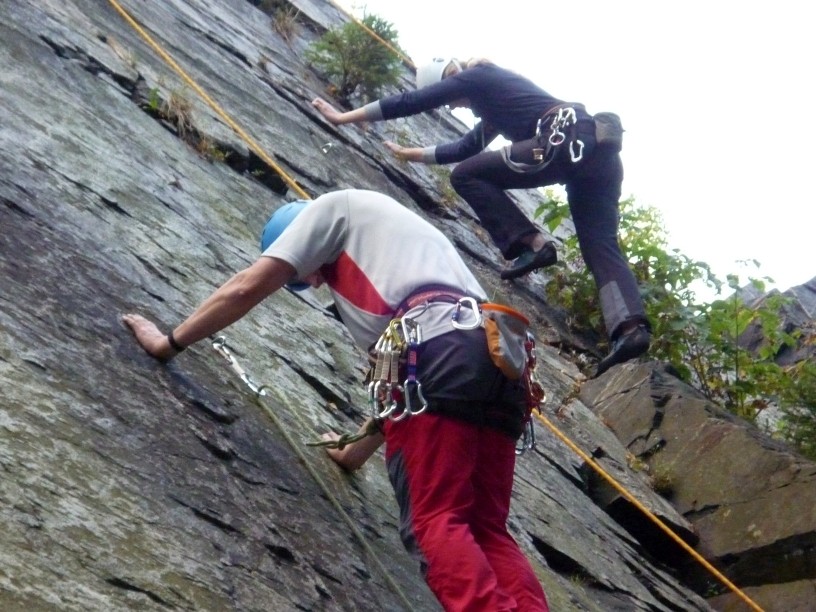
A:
(665, 278)
(704, 342)
(356, 62)
(798, 404)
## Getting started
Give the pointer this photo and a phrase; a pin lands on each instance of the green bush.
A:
(704, 342)
(356, 63)
(798, 404)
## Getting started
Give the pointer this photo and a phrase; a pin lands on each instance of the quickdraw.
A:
(411, 333)
(220, 345)
(536, 397)
(387, 397)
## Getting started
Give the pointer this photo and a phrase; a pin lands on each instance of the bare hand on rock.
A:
(153, 341)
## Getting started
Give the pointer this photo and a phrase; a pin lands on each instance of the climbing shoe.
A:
(629, 345)
(531, 260)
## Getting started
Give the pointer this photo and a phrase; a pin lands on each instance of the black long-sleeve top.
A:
(506, 103)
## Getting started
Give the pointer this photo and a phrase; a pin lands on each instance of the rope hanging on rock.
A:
(260, 391)
(250, 142)
(649, 514)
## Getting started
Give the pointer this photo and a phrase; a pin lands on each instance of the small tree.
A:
(355, 61)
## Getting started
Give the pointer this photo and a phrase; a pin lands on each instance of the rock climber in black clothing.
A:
(551, 141)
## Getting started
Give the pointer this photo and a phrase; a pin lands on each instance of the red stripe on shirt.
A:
(346, 278)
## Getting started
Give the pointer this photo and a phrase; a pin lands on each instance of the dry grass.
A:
(178, 110)
(285, 22)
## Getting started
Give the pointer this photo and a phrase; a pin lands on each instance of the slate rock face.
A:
(751, 501)
(127, 484)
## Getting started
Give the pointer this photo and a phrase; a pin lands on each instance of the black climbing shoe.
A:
(531, 260)
(632, 344)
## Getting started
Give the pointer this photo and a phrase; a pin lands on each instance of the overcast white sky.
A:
(717, 99)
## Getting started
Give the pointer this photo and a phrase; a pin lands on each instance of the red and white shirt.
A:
(373, 253)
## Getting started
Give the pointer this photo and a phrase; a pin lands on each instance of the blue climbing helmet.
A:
(278, 222)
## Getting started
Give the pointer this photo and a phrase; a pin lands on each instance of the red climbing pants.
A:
(453, 481)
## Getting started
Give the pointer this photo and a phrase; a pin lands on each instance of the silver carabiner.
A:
(390, 405)
(372, 398)
(576, 157)
(477, 313)
(411, 331)
(396, 418)
(528, 440)
(407, 392)
(538, 127)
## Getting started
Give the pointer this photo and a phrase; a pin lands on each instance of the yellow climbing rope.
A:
(210, 102)
(631, 498)
(595, 466)
(297, 189)
(260, 391)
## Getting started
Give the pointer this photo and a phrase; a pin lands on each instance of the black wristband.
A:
(173, 344)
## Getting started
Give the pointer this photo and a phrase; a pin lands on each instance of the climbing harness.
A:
(394, 389)
(612, 132)
(556, 127)
(563, 118)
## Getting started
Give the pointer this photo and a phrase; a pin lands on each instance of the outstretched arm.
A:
(358, 115)
(412, 154)
(332, 115)
(352, 456)
(226, 305)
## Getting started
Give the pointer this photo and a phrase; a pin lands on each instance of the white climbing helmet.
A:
(431, 73)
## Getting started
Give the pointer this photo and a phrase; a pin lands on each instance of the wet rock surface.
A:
(128, 484)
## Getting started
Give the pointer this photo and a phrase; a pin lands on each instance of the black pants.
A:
(593, 190)
(460, 381)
